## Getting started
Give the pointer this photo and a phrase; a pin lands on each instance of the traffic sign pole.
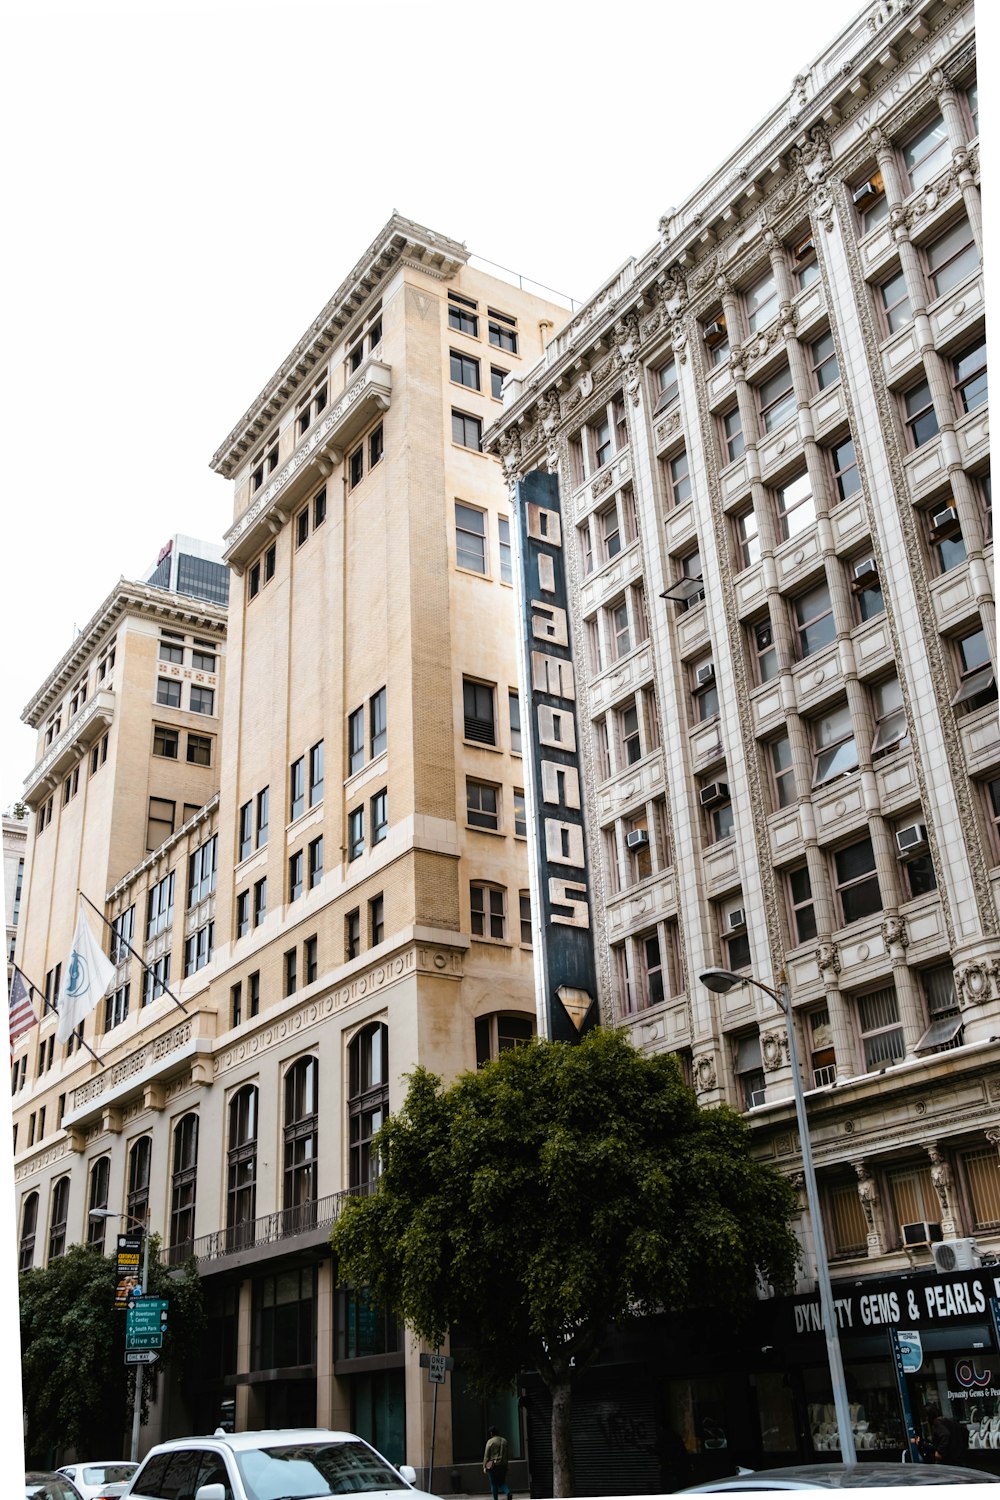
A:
(137, 1411)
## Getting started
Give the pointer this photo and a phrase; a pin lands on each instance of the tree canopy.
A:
(77, 1391)
(558, 1190)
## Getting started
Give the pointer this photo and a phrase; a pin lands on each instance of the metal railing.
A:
(269, 1229)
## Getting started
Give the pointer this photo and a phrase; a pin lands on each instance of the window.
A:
(844, 1213)
(805, 264)
(368, 1100)
(465, 370)
(166, 742)
(796, 506)
(609, 532)
(29, 1225)
(202, 865)
(202, 699)
(241, 1169)
(58, 1216)
(291, 972)
(866, 587)
(946, 540)
(310, 409)
(856, 882)
(489, 910)
(379, 816)
(263, 803)
(316, 758)
(896, 302)
(245, 838)
(619, 629)
(168, 692)
(506, 555)
(970, 376)
(520, 814)
(926, 153)
(116, 1007)
(297, 789)
(203, 656)
(763, 651)
(470, 538)
(199, 750)
(638, 849)
(514, 712)
(826, 370)
(183, 1185)
(155, 979)
(235, 1004)
(524, 906)
(748, 1066)
(479, 713)
(160, 906)
(952, 257)
(977, 685)
(198, 948)
(482, 803)
(171, 648)
(315, 862)
(100, 1177)
(497, 378)
(629, 735)
(760, 302)
(296, 864)
(992, 795)
(721, 822)
(355, 833)
(892, 732)
(678, 477)
(376, 446)
(667, 391)
(920, 416)
(262, 571)
(99, 755)
(319, 507)
(981, 1170)
(814, 622)
(301, 1144)
(356, 467)
(265, 462)
(378, 721)
(871, 202)
(732, 435)
(687, 590)
(502, 330)
(747, 538)
(845, 469)
(466, 430)
(462, 315)
(716, 339)
(881, 1033)
(704, 689)
(242, 913)
(259, 901)
(310, 959)
(782, 771)
(777, 399)
(918, 870)
(376, 921)
(355, 740)
(800, 901)
(352, 935)
(253, 994)
(835, 750)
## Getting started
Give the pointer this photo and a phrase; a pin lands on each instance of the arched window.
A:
(241, 1178)
(301, 1144)
(29, 1223)
(137, 1199)
(368, 1100)
(58, 1215)
(100, 1178)
(183, 1182)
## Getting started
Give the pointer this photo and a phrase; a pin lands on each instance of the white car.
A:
(93, 1479)
(308, 1463)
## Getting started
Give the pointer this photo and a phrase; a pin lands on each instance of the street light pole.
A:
(108, 1213)
(719, 981)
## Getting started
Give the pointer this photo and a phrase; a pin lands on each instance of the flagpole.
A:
(164, 989)
(48, 1004)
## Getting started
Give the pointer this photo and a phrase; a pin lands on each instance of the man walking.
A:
(495, 1457)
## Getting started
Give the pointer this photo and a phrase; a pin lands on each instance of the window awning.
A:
(979, 682)
(939, 1033)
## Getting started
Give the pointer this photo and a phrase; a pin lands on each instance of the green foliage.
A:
(77, 1391)
(555, 1191)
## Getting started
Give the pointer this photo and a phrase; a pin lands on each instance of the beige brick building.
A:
(347, 894)
(771, 439)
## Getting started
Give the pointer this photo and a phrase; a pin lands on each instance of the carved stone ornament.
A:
(993, 1136)
(772, 1050)
(894, 933)
(868, 1193)
(548, 408)
(509, 444)
(602, 483)
(679, 340)
(586, 384)
(814, 155)
(828, 959)
(626, 338)
(669, 424)
(941, 1178)
(972, 984)
(704, 1074)
(674, 293)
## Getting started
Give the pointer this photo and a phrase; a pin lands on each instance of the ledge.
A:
(90, 723)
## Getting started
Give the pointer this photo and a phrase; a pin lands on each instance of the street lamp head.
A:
(720, 980)
(104, 1213)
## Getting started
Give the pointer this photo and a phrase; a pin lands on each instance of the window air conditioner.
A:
(913, 836)
(921, 1234)
(737, 919)
(705, 674)
(636, 838)
(758, 1096)
(715, 333)
(956, 1255)
(865, 575)
(867, 192)
(711, 795)
(805, 249)
(944, 522)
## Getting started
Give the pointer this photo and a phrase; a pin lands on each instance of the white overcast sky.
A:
(186, 185)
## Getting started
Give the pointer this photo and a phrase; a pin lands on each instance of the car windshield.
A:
(52, 1487)
(107, 1473)
(298, 1470)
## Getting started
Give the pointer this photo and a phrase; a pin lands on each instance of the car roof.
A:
(266, 1437)
(848, 1476)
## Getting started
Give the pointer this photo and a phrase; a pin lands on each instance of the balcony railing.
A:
(270, 1229)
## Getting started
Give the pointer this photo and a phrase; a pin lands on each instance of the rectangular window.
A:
(892, 732)
(235, 1004)
(749, 1069)
(168, 692)
(835, 750)
(845, 469)
(800, 900)
(315, 862)
(856, 882)
(202, 866)
(199, 750)
(764, 652)
(678, 476)
(160, 823)
(848, 1231)
(259, 901)
(489, 910)
(376, 446)
(155, 979)
(524, 905)
(482, 803)
(297, 789)
(355, 467)
(514, 711)
(253, 994)
(198, 949)
(296, 862)
(355, 740)
(782, 771)
(732, 435)
(242, 913)
(479, 712)
(506, 555)
(302, 526)
(466, 430)
(310, 959)
(821, 1054)
(319, 507)
(376, 921)
(866, 587)
(716, 338)
(747, 538)
(355, 833)
(760, 302)
(921, 418)
(316, 758)
(796, 506)
(465, 370)
(202, 699)
(462, 315)
(502, 331)
(896, 302)
(982, 1175)
(245, 840)
(166, 742)
(203, 656)
(881, 1033)
(520, 814)
(470, 538)
(352, 935)
(266, 461)
(378, 721)
(777, 399)
(263, 801)
(497, 378)
(926, 153)
(826, 370)
(970, 377)
(951, 258)
(814, 622)
(291, 972)
(379, 809)
(667, 391)
(976, 675)
(172, 651)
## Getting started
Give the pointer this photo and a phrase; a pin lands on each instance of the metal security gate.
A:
(615, 1435)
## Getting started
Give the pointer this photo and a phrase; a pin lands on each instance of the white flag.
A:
(86, 976)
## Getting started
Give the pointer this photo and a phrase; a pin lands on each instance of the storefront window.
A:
(697, 1412)
(776, 1409)
(873, 1401)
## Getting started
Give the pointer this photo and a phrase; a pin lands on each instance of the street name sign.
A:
(145, 1323)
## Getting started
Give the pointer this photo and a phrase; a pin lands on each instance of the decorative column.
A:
(871, 1206)
(944, 1186)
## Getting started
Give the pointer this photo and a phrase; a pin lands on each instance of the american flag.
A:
(20, 1012)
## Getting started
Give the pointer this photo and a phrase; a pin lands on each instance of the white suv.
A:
(287, 1464)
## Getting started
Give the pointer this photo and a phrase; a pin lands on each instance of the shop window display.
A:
(874, 1409)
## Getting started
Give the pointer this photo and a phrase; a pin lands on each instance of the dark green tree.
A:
(559, 1190)
(76, 1388)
